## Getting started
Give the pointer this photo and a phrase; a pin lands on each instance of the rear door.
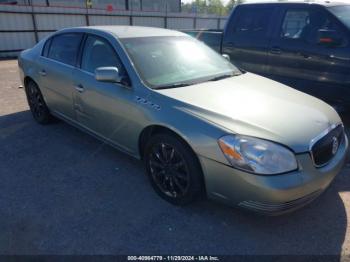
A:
(56, 67)
(247, 37)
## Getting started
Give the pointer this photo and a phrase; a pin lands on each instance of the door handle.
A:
(275, 50)
(42, 72)
(79, 88)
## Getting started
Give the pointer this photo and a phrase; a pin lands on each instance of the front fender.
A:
(200, 134)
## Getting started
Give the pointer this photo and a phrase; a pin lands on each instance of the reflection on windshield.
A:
(165, 62)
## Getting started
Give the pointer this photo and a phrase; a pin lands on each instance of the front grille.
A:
(275, 208)
(324, 149)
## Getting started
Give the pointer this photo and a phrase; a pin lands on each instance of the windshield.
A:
(343, 13)
(165, 62)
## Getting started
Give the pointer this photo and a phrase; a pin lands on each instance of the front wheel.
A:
(173, 169)
(37, 104)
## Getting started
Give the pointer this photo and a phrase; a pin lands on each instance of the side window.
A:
(98, 53)
(46, 48)
(294, 23)
(305, 25)
(64, 48)
(253, 21)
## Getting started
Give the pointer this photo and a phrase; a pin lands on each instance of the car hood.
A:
(256, 106)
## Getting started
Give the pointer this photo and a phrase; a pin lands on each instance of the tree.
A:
(230, 4)
(200, 6)
(197, 6)
(215, 7)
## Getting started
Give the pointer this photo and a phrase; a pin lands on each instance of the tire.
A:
(37, 105)
(173, 169)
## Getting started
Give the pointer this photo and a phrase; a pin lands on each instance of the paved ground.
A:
(62, 192)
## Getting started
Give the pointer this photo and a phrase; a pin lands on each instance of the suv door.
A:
(325, 66)
(56, 65)
(285, 52)
(101, 107)
(247, 37)
(297, 59)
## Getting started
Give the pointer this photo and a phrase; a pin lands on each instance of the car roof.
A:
(128, 31)
(306, 2)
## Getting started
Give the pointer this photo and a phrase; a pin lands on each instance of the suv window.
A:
(305, 25)
(253, 21)
(98, 53)
(64, 48)
(293, 24)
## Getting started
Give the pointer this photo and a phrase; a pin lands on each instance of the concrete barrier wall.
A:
(22, 26)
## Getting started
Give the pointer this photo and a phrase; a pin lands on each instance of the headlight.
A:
(257, 155)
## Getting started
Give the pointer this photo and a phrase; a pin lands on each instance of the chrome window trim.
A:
(319, 137)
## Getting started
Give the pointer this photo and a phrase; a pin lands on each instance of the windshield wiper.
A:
(173, 85)
(181, 84)
(217, 78)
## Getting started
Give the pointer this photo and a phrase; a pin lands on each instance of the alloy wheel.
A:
(169, 170)
(36, 102)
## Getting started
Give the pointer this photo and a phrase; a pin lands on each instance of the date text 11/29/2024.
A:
(173, 258)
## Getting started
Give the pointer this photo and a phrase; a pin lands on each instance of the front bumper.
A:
(275, 194)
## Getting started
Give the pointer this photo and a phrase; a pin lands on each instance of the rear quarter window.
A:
(46, 48)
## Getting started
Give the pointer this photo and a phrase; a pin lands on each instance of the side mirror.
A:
(108, 74)
(226, 56)
(329, 37)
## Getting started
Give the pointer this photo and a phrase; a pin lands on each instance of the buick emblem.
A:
(335, 145)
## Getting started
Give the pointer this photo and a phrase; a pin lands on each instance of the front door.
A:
(298, 59)
(326, 66)
(287, 45)
(103, 108)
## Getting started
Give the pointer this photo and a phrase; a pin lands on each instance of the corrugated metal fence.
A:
(22, 26)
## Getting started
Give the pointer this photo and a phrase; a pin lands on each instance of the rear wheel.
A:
(36, 103)
(173, 169)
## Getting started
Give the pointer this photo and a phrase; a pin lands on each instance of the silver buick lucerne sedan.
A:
(201, 125)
